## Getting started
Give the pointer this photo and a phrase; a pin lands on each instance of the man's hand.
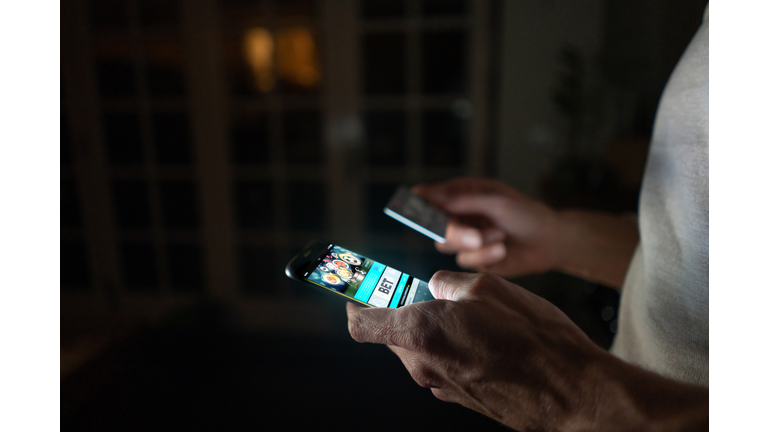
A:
(500, 350)
(496, 229)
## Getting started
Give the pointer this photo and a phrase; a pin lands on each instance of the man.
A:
(500, 350)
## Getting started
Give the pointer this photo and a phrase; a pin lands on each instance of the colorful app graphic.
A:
(366, 280)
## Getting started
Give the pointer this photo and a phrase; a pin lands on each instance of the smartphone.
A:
(355, 277)
(413, 211)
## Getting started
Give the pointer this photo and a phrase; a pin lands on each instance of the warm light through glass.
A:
(259, 49)
(291, 55)
(297, 61)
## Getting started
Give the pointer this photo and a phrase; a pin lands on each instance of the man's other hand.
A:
(495, 228)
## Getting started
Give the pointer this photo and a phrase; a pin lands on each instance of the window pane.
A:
(115, 68)
(70, 205)
(171, 136)
(306, 206)
(382, 8)
(385, 137)
(296, 8)
(443, 137)
(139, 266)
(159, 13)
(75, 272)
(253, 201)
(131, 203)
(123, 139)
(65, 140)
(259, 269)
(179, 203)
(302, 136)
(248, 60)
(298, 65)
(443, 7)
(376, 221)
(384, 63)
(164, 64)
(443, 68)
(249, 138)
(185, 267)
(108, 14)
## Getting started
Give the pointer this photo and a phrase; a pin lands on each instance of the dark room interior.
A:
(204, 142)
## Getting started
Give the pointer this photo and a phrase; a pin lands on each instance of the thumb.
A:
(452, 286)
(374, 325)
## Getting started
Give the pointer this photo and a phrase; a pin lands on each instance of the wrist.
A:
(624, 396)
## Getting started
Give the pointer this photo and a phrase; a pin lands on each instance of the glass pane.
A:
(185, 267)
(108, 14)
(65, 140)
(296, 8)
(75, 272)
(179, 203)
(259, 269)
(171, 136)
(302, 137)
(253, 202)
(130, 199)
(115, 67)
(248, 62)
(139, 266)
(443, 7)
(159, 13)
(298, 66)
(444, 62)
(382, 8)
(376, 222)
(384, 63)
(123, 138)
(385, 137)
(443, 137)
(165, 66)
(250, 140)
(306, 206)
(70, 205)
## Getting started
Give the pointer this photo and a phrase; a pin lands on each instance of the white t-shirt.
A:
(664, 311)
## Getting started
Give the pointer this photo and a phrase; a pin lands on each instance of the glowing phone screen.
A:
(364, 279)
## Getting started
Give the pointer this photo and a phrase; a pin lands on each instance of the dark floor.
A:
(200, 372)
(216, 380)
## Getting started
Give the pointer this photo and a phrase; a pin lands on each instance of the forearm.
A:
(629, 398)
(595, 246)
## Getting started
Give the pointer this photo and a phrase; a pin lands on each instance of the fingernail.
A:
(497, 251)
(471, 240)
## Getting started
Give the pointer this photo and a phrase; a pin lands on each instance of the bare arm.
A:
(595, 246)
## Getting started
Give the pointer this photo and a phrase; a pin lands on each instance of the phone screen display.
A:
(364, 279)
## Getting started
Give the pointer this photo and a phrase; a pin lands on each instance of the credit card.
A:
(416, 213)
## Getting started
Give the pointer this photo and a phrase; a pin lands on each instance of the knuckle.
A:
(442, 395)
(425, 377)
(484, 284)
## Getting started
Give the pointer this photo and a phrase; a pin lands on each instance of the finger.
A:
(485, 256)
(459, 236)
(493, 235)
(493, 206)
(375, 325)
(439, 193)
(452, 285)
